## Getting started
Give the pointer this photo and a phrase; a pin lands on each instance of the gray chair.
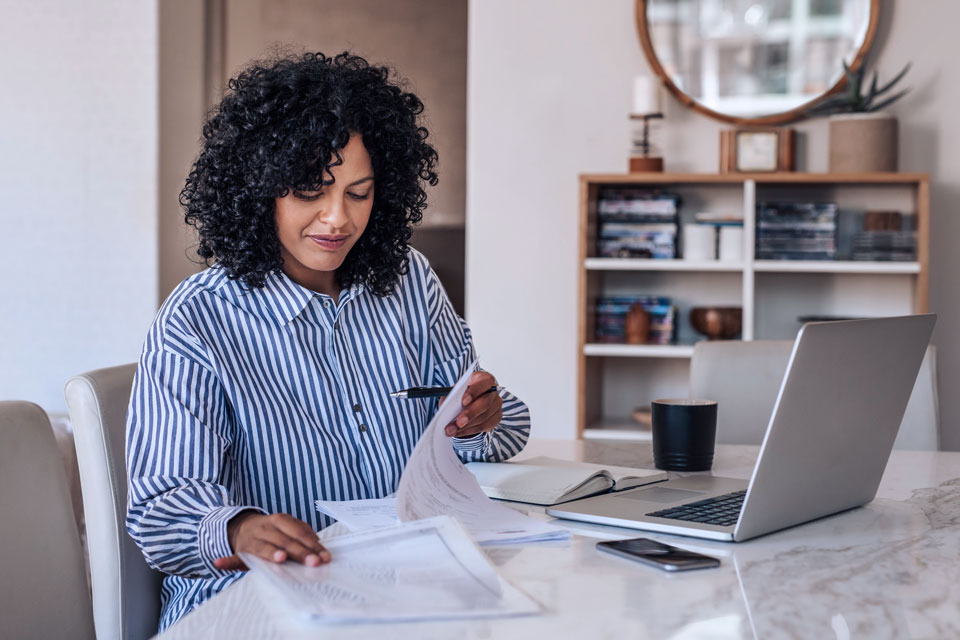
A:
(744, 378)
(126, 591)
(43, 591)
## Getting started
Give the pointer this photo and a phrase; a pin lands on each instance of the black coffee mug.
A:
(684, 432)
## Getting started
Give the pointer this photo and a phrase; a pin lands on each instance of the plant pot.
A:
(863, 142)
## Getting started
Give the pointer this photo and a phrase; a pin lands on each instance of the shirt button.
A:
(363, 428)
(336, 325)
(356, 408)
(326, 304)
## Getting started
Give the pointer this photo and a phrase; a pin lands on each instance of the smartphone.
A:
(657, 554)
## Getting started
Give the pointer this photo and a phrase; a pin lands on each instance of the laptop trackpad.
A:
(661, 494)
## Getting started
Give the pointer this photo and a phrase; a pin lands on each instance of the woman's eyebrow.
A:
(356, 182)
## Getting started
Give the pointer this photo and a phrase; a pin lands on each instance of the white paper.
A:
(358, 515)
(515, 528)
(428, 569)
(435, 482)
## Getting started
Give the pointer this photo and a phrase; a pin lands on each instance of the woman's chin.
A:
(325, 267)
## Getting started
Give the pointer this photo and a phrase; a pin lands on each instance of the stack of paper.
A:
(425, 570)
(435, 482)
(485, 528)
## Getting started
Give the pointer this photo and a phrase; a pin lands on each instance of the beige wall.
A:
(182, 92)
(549, 92)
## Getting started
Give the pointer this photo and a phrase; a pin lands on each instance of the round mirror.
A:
(754, 61)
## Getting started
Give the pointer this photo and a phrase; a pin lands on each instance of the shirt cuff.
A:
(476, 442)
(213, 542)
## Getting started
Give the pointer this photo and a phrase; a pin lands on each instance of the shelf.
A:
(638, 350)
(613, 378)
(613, 429)
(785, 177)
(640, 264)
(835, 266)
(764, 266)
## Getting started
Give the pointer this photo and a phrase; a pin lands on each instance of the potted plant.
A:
(862, 137)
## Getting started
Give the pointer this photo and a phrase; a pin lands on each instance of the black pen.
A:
(429, 392)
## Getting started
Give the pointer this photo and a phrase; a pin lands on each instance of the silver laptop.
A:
(840, 405)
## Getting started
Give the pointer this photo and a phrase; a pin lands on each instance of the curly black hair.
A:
(275, 131)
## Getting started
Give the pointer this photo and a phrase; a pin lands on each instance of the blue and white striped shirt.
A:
(273, 398)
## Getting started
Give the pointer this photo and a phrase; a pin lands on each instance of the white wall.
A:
(78, 199)
(548, 86)
(548, 95)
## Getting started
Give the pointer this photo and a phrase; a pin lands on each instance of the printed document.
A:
(435, 482)
(423, 570)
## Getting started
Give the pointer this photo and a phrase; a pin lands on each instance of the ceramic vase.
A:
(863, 142)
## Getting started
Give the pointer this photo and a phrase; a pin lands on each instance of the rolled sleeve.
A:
(178, 465)
(212, 539)
(505, 441)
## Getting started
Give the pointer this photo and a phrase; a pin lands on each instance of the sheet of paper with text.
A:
(435, 482)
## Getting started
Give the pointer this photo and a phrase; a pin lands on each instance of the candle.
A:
(646, 95)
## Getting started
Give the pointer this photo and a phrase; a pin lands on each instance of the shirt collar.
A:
(286, 299)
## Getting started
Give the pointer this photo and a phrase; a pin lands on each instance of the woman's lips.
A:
(329, 242)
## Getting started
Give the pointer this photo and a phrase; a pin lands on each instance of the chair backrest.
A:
(43, 591)
(126, 591)
(744, 378)
(920, 429)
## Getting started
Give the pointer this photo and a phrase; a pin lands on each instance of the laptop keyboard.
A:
(722, 511)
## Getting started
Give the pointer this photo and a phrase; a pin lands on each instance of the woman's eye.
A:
(359, 196)
(306, 195)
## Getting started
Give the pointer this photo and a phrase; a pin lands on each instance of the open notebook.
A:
(548, 481)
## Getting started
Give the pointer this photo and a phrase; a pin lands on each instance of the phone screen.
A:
(658, 554)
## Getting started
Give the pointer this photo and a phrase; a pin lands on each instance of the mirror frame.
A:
(772, 119)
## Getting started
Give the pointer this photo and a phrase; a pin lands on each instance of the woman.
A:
(263, 383)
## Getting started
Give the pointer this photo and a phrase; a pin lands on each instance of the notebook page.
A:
(623, 477)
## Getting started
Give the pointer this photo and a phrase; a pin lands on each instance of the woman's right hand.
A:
(274, 537)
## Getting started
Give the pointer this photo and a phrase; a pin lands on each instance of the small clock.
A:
(756, 150)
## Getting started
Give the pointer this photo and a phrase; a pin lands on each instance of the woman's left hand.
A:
(481, 411)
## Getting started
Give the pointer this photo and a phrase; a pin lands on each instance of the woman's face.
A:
(317, 229)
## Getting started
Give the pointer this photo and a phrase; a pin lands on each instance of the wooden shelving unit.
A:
(771, 292)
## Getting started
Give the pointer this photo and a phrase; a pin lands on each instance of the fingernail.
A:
(450, 431)
(462, 422)
(325, 556)
(279, 556)
(467, 400)
(312, 560)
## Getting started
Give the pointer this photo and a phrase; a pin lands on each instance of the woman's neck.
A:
(324, 282)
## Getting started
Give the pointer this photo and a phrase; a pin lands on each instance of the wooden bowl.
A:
(717, 323)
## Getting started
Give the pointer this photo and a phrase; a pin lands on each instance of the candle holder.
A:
(645, 154)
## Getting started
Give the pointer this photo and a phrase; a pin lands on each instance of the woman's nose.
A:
(333, 213)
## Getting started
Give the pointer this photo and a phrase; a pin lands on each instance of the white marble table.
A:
(890, 569)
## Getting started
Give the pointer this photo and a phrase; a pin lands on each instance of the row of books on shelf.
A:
(796, 231)
(822, 231)
(611, 316)
(637, 223)
(879, 235)
(641, 223)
